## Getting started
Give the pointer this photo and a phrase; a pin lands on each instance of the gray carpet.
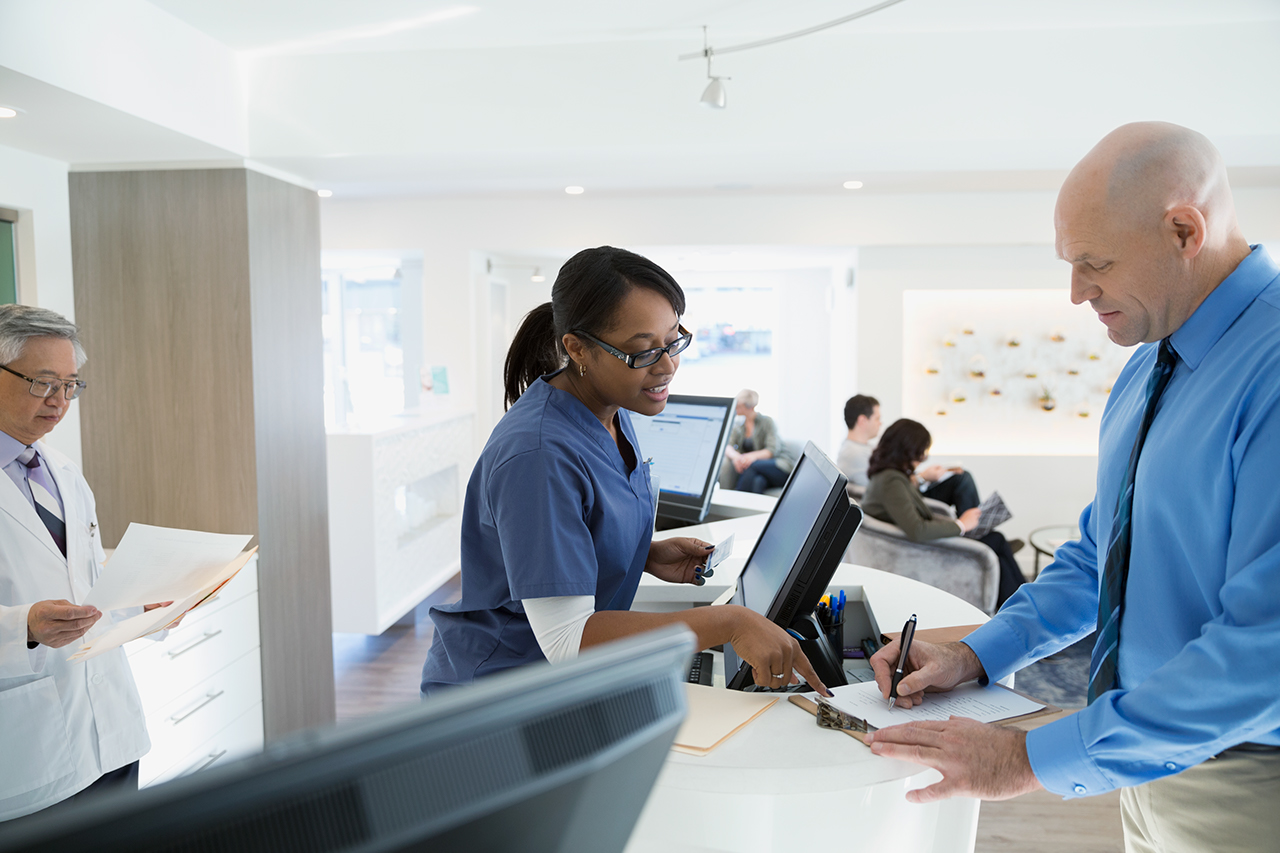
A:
(1061, 679)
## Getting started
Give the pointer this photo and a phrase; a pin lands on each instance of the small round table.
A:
(1047, 540)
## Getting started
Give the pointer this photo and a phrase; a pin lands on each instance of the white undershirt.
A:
(558, 622)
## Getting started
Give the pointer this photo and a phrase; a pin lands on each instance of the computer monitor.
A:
(686, 443)
(542, 758)
(798, 551)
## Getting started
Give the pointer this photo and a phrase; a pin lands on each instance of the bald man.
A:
(1178, 561)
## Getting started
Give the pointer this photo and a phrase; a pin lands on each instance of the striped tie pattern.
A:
(47, 506)
(1103, 664)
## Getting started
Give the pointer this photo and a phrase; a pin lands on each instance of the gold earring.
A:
(582, 370)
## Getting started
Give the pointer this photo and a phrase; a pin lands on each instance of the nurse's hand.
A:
(678, 560)
(57, 623)
(774, 655)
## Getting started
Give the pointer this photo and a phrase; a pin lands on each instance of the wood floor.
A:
(376, 673)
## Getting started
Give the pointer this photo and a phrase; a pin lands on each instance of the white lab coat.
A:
(62, 724)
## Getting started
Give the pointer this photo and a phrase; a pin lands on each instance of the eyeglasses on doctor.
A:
(43, 388)
(644, 358)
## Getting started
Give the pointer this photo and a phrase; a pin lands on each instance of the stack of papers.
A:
(155, 564)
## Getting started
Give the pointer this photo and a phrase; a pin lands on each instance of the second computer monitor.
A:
(686, 443)
(798, 551)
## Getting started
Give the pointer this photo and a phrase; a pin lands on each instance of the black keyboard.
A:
(700, 670)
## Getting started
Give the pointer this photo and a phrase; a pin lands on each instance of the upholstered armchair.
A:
(963, 567)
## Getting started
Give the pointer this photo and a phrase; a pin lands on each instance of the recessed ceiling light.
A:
(574, 190)
(853, 185)
(8, 112)
(537, 275)
(324, 193)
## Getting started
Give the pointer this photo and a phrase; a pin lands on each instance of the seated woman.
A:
(755, 459)
(557, 524)
(892, 496)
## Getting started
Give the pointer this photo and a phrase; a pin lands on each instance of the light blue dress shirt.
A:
(10, 450)
(551, 510)
(1200, 636)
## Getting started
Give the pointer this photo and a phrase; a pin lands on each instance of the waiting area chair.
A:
(963, 567)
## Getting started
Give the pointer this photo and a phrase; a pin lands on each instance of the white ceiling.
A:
(397, 97)
(346, 25)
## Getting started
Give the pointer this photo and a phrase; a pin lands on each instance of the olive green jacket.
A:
(891, 497)
(765, 437)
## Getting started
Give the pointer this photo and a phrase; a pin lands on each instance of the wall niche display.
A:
(1006, 372)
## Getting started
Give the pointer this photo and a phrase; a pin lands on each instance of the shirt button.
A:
(1169, 765)
(1080, 789)
(97, 679)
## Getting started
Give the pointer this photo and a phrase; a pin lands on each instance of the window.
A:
(732, 344)
(365, 328)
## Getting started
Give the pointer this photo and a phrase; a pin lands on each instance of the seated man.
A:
(953, 486)
(755, 459)
(862, 417)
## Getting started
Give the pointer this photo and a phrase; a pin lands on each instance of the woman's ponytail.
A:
(535, 351)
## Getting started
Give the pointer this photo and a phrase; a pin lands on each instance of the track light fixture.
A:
(714, 95)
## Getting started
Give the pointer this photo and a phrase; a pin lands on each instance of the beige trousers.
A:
(1227, 804)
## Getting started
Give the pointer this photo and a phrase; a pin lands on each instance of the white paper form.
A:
(988, 704)
(107, 635)
(154, 564)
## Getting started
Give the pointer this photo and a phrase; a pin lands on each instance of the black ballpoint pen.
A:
(908, 632)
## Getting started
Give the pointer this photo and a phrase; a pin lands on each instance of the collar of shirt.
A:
(577, 411)
(1194, 338)
(10, 448)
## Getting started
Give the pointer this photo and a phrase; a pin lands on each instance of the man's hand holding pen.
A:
(975, 759)
(929, 667)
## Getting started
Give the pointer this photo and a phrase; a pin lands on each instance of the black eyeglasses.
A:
(644, 358)
(43, 388)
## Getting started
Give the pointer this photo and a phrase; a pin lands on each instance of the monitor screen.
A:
(783, 538)
(539, 759)
(798, 551)
(686, 443)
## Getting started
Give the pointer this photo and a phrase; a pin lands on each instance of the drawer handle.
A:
(208, 759)
(208, 635)
(208, 697)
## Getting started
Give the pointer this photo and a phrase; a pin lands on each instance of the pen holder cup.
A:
(835, 636)
(816, 646)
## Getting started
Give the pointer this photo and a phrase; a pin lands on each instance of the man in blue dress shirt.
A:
(1188, 720)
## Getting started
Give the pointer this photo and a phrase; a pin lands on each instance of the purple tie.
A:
(47, 506)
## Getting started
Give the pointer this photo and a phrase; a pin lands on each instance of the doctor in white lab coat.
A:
(64, 726)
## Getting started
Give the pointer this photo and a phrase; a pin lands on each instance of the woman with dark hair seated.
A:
(892, 496)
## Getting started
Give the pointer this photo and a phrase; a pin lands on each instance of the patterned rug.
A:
(1061, 679)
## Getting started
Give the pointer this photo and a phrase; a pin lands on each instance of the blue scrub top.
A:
(551, 509)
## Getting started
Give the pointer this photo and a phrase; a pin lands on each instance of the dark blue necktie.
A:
(1103, 665)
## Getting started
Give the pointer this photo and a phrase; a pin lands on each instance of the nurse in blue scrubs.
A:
(558, 522)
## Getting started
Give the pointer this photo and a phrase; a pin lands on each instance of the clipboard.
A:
(858, 729)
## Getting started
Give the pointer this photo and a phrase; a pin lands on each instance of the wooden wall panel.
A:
(198, 293)
(284, 272)
(161, 270)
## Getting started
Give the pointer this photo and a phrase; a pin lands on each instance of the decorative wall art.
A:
(1006, 372)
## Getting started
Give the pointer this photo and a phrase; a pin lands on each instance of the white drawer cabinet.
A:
(243, 736)
(201, 687)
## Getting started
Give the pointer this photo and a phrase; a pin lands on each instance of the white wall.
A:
(37, 188)
(968, 240)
